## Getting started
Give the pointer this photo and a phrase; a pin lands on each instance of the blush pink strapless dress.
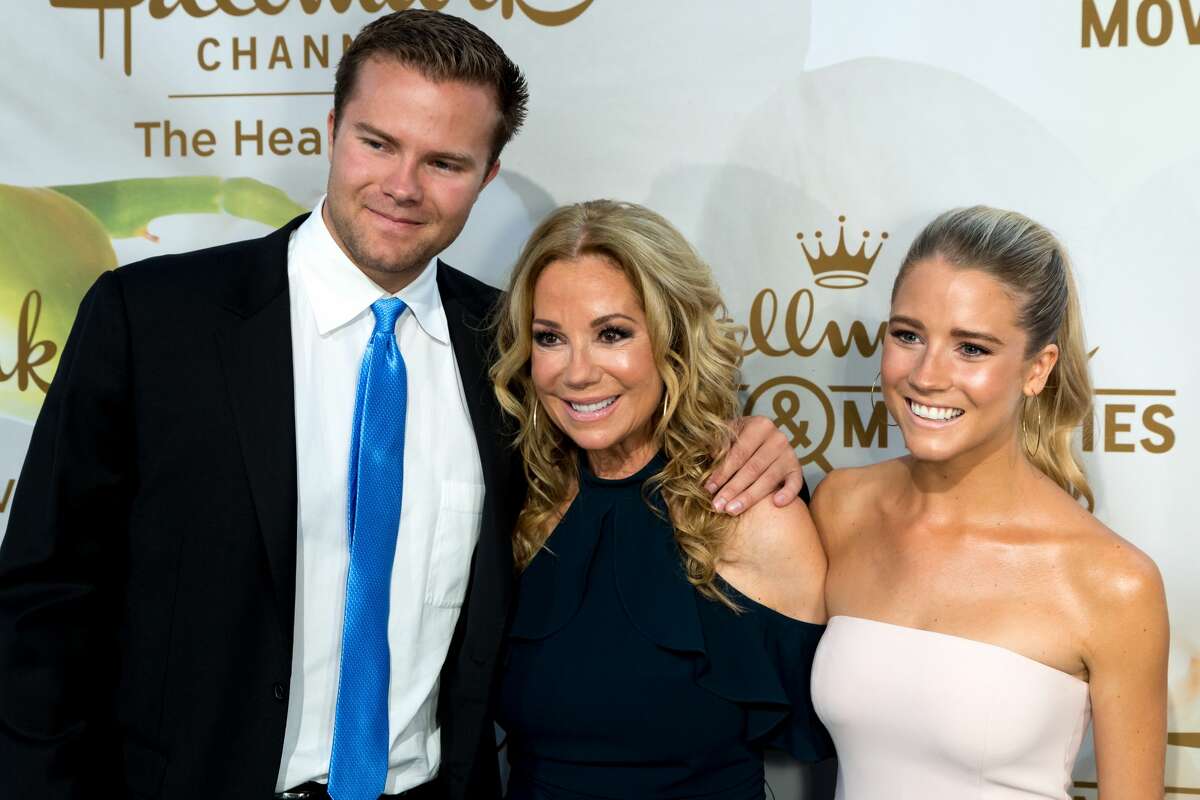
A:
(919, 715)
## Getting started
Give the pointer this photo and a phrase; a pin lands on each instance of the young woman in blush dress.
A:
(979, 614)
(658, 647)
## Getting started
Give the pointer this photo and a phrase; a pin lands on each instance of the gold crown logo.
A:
(841, 269)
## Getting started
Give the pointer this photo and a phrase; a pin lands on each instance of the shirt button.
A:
(279, 691)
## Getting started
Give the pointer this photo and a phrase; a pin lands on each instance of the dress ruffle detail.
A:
(757, 659)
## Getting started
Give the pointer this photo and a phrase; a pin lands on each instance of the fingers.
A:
(761, 461)
(733, 496)
(792, 485)
(735, 458)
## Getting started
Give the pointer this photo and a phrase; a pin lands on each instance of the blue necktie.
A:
(359, 762)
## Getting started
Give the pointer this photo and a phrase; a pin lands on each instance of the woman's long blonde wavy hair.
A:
(1033, 264)
(697, 351)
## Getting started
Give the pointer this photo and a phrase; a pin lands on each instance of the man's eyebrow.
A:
(466, 159)
(371, 130)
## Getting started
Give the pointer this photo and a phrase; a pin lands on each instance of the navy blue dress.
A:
(621, 681)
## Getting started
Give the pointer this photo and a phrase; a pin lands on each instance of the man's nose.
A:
(403, 182)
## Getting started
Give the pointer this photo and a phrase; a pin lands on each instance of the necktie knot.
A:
(386, 312)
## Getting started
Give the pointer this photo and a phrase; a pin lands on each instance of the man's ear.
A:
(1040, 367)
(330, 123)
(492, 172)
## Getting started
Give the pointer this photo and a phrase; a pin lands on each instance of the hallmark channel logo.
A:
(161, 9)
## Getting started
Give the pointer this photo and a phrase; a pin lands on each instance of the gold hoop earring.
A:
(878, 376)
(1024, 432)
(533, 416)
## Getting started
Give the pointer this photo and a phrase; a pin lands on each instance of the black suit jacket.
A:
(147, 577)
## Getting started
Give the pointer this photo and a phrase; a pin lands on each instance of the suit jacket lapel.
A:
(256, 352)
(491, 576)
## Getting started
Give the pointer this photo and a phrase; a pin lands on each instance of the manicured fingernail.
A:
(719, 504)
(735, 507)
(712, 487)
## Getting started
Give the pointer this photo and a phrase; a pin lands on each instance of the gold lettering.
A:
(795, 335)
(541, 17)
(146, 128)
(309, 143)
(161, 9)
(1151, 419)
(1191, 22)
(251, 52)
(759, 332)
(234, 11)
(280, 141)
(279, 54)
(1166, 21)
(312, 6)
(311, 52)
(798, 321)
(858, 336)
(202, 142)
(1117, 25)
(872, 434)
(1112, 427)
(207, 42)
(7, 494)
(239, 137)
(31, 354)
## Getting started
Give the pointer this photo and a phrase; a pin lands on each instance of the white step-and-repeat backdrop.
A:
(137, 127)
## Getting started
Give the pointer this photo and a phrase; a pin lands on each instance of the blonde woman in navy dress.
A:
(980, 615)
(658, 646)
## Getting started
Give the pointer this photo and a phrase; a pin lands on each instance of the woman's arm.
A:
(1126, 656)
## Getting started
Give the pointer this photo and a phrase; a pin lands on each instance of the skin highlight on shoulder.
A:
(774, 556)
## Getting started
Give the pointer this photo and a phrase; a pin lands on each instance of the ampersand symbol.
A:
(786, 404)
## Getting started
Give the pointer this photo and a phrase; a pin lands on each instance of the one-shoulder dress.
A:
(622, 681)
(921, 715)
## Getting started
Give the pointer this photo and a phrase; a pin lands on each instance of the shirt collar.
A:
(339, 292)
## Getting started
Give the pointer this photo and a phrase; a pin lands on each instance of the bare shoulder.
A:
(774, 557)
(1118, 574)
(845, 498)
(1118, 585)
(768, 533)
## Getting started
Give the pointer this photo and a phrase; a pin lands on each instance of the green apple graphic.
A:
(55, 241)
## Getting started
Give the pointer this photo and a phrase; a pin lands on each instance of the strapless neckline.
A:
(966, 641)
(918, 714)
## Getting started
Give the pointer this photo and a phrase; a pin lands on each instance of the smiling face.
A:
(409, 158)
(955, 371)
(592, 361)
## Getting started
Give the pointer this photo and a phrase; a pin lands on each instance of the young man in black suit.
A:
(182, 611)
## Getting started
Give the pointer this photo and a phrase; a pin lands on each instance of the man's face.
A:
(407, 161)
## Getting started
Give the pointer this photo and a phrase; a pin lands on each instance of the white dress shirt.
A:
(440, 512)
